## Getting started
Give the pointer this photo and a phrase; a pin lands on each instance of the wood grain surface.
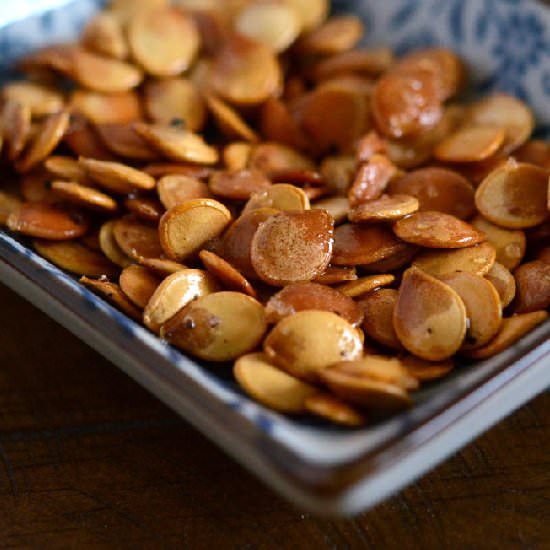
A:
(88, 459)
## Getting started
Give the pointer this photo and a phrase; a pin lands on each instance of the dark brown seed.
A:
(308, 296)
(437, 230)
(356, 244)
(438, 189)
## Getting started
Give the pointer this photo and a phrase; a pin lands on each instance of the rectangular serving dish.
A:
(328, 470)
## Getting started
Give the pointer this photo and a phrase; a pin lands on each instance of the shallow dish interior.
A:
(507, 44)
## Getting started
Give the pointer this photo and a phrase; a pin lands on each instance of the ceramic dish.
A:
(328, 470)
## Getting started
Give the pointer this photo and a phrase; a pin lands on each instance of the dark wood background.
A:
(88, 459)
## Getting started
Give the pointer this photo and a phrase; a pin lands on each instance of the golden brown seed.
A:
(159, 169)
(393, 262)
(236, 154)
(535, 151)
(103, 108)
(385, 208)
(46, 140)
(437, 189)
(444, 66)
(426, 371)
(115, 176)
(292, 246)
(337, 34)
(270, 385)
(405, 103)
(145, 208)
(177, 189)
(408, 156)
(85, 196)
(470, 144)
(177, 144)
(164, 41)
(124, 10)
(311, 296)
(91, 241)
(109, 246)
(334, 275)
(305, 343)
(136, 239)
(514, 195)
(278, 124)
(275, 24)
(184, 229)
(331, 408)
(226, 273)
(437, 230)
(371, 61)
(371, 180)
(76, 258)
(280, 196)
(511, 330)
(509, 243)
(237, 240)
(171, 99)
(45, 221)
(161, 266)
(365, 284)
(83, 140)
(474, 259)
(429, 316)
(274, 158)
(112, 293)
(360, 383)
(228, 120)
(139, 284)
(40, 99)
(311, 12)
(338, 172)
(504, 283)
(334, 116)
(8, 203)
(65, 168)
(104, 35)
(174, 293)
(245, 72)
(483, 307)
(16, 127)
(378, 308)
(508, 113)
(122, 140)
(379, 368)
(218, 327)
(337, 207)
(35, 186)
(103, 74)
(532, 286)
(356, 244)
(57, 58)
(239, 185)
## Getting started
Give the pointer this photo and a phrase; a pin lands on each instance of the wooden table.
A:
(88, 459)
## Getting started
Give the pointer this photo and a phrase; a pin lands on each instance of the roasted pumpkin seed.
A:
(270, 385)
(307, 342)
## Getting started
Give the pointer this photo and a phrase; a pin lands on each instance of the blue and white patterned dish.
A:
(326, 469)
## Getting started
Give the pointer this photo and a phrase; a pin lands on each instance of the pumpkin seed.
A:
(271, 386)
(184, 229)
(217, 327)
(307, 342)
